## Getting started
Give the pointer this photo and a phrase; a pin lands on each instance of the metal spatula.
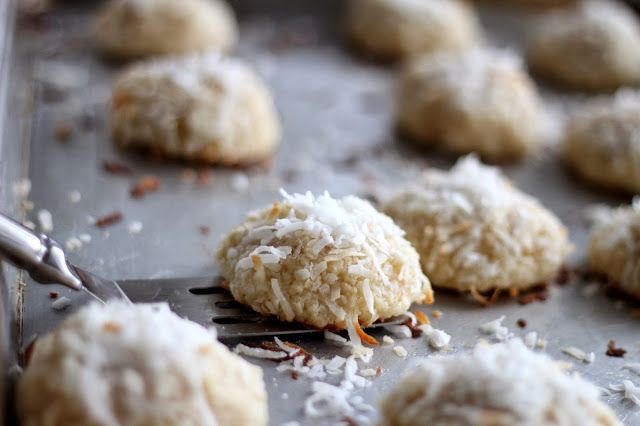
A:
(202, 300)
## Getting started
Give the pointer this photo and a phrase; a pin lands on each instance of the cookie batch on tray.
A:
(340, 263)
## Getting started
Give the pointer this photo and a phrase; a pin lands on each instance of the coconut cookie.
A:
(120, 364)
(475, 232)
(614, 246)
(602, 141)
(198, 108)
(323, 262)
(476, 101)
(135, 28)
(592, 45)
(502, 384)
(392, 29)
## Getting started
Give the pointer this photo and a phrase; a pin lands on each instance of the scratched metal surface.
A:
(336, 111)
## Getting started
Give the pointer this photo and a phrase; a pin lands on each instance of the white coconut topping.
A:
(631, 391)
(61, 303)
(46, 220)
(579, 354)
(258, 352)
(387, 340)
(496, 329)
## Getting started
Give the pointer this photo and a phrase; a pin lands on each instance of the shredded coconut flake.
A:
(579, 354)
(631, 391)
(400, 351)
(61, 303)
(135, 227)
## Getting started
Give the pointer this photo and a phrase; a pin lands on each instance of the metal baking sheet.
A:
(336, 110)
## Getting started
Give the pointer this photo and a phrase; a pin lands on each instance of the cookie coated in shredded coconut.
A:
(392, 29)
(121, 364)
(502, 384)
(322, 262)
(136, 28)
(199, 107)
(602, 141)
(480, 100)
(474, 230)
(614, 245)
(592, 45)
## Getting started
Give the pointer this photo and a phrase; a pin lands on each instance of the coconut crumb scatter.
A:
(579, 354)
(46, 220)
(437, 339)
(400, 351)
(61, 303)
(74, 197)
(73, 244)
(531, 339)
(134, 227)
(387, 340)
(22, 188)
(496, 329)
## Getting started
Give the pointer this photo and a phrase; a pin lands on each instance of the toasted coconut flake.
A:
(364, 336)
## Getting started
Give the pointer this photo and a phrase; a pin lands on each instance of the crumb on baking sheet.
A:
(416, 331)
(564, 275)
(400, 351)
(61, 303)
(204, 230)
(532, 297)
(46, 220)
(109, 219)
(436, 313)
(613, 351)
(204, 176)
(116, 168)
(522, 323)
(22, 188)
(134, 227)
(63, 132)
(54, 294)
(148, 183)
(579, 354)
(74, 197)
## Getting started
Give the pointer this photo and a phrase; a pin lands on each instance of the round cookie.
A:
(110, 365)
(393, 29)
(602, 141)
(502, 384)
(592, 45)
(614, 245)
(202, 108)
(475, 232)
(135, 28)
(323, 262)
(479, 101)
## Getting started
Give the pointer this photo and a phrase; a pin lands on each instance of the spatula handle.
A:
(41, 256)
